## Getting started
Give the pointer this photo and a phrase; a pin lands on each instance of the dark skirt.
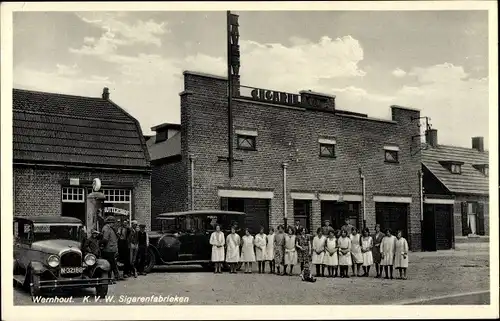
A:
(376, 254)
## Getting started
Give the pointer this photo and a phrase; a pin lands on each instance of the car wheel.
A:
(34, 285)
(150, 261)
(101, 290)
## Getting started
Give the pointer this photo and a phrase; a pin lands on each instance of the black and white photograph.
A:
(301, 157)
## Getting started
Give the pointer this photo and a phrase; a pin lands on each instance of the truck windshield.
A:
(55, 231)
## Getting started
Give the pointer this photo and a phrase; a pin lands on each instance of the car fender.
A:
(37, 267)
(157, 257)
(102, 264)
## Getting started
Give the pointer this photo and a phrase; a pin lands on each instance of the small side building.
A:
(456, 189)
(62, 142)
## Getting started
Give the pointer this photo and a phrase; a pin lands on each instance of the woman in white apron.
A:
(290, 250)
(260, 249)
(331, 259)
(247, 251)
(318, 251)
(387, 248)
(233, 250)
(217, 241)
(270, 249)
(401, 255)
(357, 255)
(366, 249)
(345, 260)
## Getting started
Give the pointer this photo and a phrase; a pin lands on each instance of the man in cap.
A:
(123, 247)
(327, 228)
(347, 226)
(133, 245)
(142, 243)
(110, 246)
(91, 244)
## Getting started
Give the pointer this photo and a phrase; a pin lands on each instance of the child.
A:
(270, 250)
(330, 258)
(247, 252)
(306, 274)
(318, 251)
(357, 255)
(387, 248)
(233, 241)
(260, 249)
(366, 249)
(279, 248)
(345, 260)
(303, 248)
(401, 257)
(290, 250)
(217, 241)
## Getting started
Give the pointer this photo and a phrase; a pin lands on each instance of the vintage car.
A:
(184, 238)
(48, 256)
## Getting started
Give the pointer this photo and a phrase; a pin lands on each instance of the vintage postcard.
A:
(249, 160)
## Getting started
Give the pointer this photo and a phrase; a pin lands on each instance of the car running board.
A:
(19, 278)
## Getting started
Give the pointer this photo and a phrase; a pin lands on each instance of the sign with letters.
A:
(115, 210)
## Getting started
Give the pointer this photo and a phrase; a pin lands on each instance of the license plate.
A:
(71, 270)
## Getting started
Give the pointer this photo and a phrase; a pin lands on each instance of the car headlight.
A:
(90, 259)
(53, 261)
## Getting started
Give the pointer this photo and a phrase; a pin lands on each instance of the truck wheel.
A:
(101, 290)
(150, 261)
(34, 285)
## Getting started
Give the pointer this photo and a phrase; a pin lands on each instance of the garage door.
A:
(393, 216)
(443, 226)
(256, 209)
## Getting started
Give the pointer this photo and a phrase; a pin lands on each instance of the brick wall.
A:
(168, 189)
(291, 135)
(38, 191)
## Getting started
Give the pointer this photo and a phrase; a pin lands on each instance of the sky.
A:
(435, 61)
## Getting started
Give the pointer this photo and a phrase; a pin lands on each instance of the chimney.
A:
(105, 93)
(431, 137)
(478, 143)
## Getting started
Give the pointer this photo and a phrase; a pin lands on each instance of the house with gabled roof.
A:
(456, 193)
(62, 142)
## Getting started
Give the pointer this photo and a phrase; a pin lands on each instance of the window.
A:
(327, 150)
(73, 195)
(471, 218)
(483, 168)
(117, 195)
(456, 168)
(391, 154)
(246, 142)
(486, 171)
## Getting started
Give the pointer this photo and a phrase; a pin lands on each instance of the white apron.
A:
(290, 250)
(367, 244)
(216, 240)
(387, 248)
(331, 246)
(247, 252)
(345, 244)
(357, 256)
(270, 247)
(401, 247)
(260, 247)
(233, 248)
(318, 246)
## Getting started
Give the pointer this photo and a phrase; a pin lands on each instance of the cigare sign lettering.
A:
(275, 97)
(115, 210)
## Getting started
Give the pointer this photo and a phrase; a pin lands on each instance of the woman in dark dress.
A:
(377, 240)
(279, 249)
(303, 248)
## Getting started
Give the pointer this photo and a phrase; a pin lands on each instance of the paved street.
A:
(435, 275)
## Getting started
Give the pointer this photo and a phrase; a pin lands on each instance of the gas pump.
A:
(95, 207)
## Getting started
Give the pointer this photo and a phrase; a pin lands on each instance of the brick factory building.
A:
(295, 155)
(62, 142)
(456, 203)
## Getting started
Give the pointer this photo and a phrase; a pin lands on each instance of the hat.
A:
(142, 225)
(110, 219)
(94, 231)
(133, 222)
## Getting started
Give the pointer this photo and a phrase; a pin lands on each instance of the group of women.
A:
(335, 252)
